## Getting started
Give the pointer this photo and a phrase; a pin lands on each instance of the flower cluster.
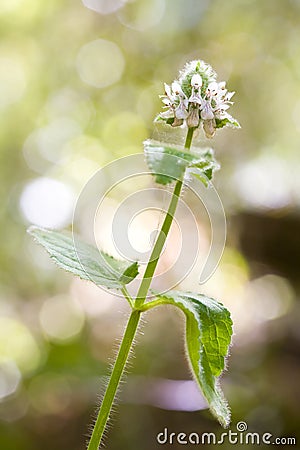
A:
(195, 98)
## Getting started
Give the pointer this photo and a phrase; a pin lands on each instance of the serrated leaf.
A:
(84, 260)
(169, 164)
(208, 336)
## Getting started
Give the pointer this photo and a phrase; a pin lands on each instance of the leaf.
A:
(169, 164)
(84, 260)
(227, 121)
(208, 336)
(168, 121)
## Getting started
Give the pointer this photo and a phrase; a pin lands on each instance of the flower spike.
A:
(197, 98)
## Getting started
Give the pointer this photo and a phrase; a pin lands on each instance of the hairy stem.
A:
(114, 381)
(134, 318)
(162, 236)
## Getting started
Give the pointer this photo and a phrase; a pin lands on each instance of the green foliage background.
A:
(56, 126)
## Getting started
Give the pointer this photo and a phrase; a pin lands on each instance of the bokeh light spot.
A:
(49, 141)
(271, 297)
(143, 14)
(87, 295)
(125, 129)
(61, 318)
(10, 378)
(12, 80)
(141, 227)
(104, 6)
(100, 63)
(17, 344)
(7, 6)
(50, 393)
(272, 186)
(47, 203)
(67, 102)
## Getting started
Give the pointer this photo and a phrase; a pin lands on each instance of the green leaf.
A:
(208, 336)
(169, 164)
(84, 260)
(168, 121)
(229, 120)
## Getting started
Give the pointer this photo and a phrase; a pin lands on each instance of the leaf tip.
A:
(220, 408)
(130, 273)
(34, 229)
(31, 229)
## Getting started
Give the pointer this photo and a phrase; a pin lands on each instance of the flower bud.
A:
(209, 127)
(177, 122)
(193, 117)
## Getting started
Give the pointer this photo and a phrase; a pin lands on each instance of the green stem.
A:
(162, 236)
(114, 381)
(189, 137)
(134, 318)
(150, 305)
(127, 296)
(157, 249)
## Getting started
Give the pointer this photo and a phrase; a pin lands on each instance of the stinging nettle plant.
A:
(195, 100)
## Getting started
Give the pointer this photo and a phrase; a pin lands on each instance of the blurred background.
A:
(79, 86)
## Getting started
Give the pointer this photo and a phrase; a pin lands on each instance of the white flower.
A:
(168, 92)
(169, 114)
(196, 81)
(196, 97)
(206, 111)
(176, 89)
(212, 89)
(228, 96)
(181, 112)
